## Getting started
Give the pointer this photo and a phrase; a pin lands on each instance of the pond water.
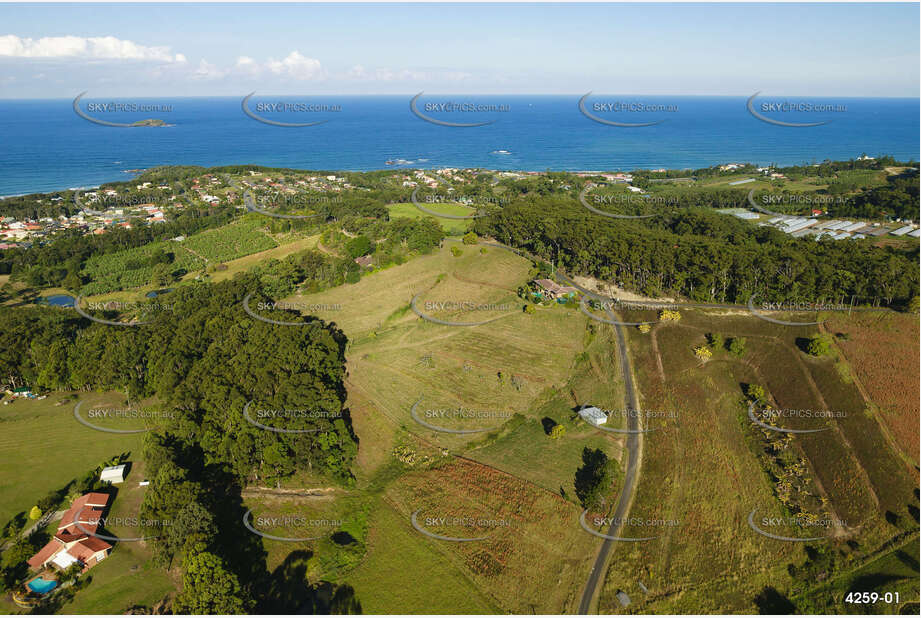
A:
(58, 300)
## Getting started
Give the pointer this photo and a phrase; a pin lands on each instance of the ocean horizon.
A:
(49, 147)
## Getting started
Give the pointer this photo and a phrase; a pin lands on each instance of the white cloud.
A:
(247, 65)
(206, 70)
(385, 74)
(297, 66)
(358, 72)
(99, 48)
(294, 66)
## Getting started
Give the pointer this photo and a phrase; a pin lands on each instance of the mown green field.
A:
(454, 227)
(529, 453)
(43, 447)
(333, 527)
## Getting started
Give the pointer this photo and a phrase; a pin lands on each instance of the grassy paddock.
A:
(404, 574)
(704, 475)
(533, 559)
(454, 227)
(42, 447)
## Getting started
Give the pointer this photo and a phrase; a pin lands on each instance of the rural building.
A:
(72, 544)
(365, 261)
(593, 415)
(114, 474)
(552, 289)
(623, 598)
(798, 224)
(902, 230)
(23, 391)
(748, 216)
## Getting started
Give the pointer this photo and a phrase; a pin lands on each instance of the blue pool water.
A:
(42, 586)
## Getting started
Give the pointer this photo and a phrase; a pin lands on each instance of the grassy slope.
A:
(42, 448)
(395, 357)
(894, 571)
(454, 227)
(401, 574)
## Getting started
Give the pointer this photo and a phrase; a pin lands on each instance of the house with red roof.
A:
(74, 542)
(554, 290)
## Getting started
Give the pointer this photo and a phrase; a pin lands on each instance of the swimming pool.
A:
(42, 586)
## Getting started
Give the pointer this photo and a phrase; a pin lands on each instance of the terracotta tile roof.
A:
(88, 506)
(96, 498)
(94, 544)
(553, 287)
(74, 533)
(87, 516)
(85, 549)
(44, 554)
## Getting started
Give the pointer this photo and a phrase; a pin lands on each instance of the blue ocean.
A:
(46, 146)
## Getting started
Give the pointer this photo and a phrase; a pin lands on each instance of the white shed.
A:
(593, 415)
(113, 474)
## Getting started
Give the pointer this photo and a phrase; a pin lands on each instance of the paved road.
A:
(248, 201)
(631, 475)
(634, 450)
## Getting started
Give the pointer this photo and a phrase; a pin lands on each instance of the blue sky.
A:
(681, 49)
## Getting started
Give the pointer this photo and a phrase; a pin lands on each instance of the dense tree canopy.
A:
(704, 256)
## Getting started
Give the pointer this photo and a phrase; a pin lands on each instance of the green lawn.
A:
(42, 448)
(528, 453)
(124, 579)
(454, 227)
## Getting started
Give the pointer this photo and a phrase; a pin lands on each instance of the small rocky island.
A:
(150, 122)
